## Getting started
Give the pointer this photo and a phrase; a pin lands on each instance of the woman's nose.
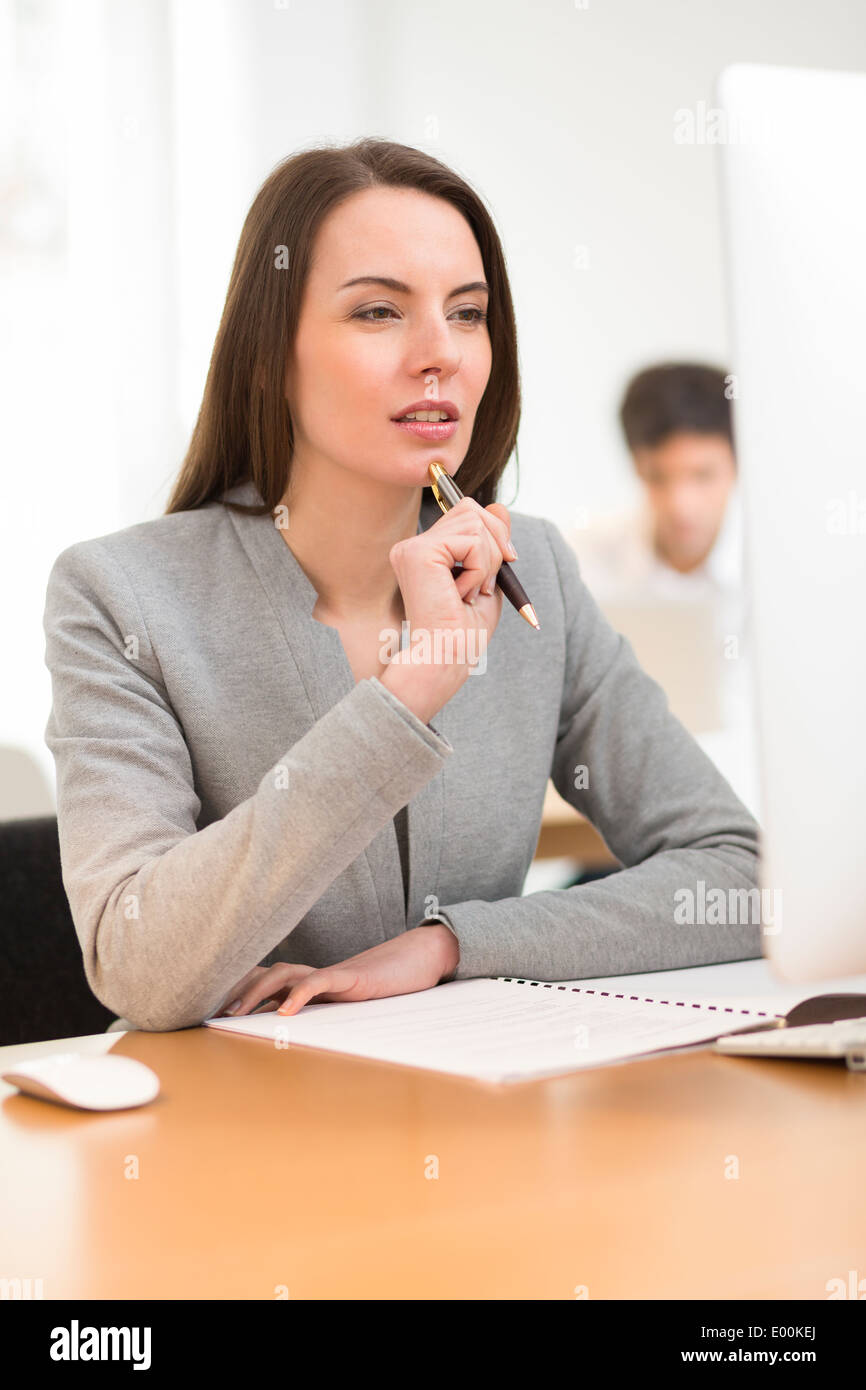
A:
(433, 342)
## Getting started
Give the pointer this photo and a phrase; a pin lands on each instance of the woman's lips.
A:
(434, 430)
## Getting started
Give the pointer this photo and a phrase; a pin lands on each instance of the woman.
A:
(261, 796)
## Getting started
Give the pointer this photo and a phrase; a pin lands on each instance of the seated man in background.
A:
(668, 574)
(684, 537)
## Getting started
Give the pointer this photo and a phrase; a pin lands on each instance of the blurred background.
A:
(133, 138)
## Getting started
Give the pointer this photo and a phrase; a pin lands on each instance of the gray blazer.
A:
(226, 791)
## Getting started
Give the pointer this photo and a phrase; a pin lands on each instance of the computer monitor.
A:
(794, 207)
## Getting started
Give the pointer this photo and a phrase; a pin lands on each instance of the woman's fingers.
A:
(238, 990)
(330, 985)
(471, 543)
(478, 559)
(497, 524)
(271, 984)
(440, 572)
(499, 521)
(494, 518)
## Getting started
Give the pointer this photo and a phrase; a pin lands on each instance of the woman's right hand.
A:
(450, 619)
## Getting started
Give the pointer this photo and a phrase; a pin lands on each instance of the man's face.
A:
(687, 478)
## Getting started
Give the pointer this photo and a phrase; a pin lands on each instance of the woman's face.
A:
(365, 353)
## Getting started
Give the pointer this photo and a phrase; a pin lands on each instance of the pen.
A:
(448, 494)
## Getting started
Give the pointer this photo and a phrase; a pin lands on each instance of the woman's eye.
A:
(377, 309)
(366, 314)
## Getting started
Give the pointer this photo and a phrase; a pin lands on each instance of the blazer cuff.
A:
(468, 922)
(440, 917)
(431, 736)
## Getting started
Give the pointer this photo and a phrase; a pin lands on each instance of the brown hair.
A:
(674, 397)
(244, 429)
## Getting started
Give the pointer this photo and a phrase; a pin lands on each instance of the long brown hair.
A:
(244, 427)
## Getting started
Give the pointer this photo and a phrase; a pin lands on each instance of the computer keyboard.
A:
(845, 1038)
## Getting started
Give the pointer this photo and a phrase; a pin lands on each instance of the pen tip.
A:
(528, 612)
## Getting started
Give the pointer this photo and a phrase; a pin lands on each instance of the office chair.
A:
(43, 989)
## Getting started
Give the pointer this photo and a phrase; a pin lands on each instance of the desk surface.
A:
(260, 1168)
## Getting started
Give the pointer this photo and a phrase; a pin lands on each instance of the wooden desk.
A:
(565, 834)
(260, 1168)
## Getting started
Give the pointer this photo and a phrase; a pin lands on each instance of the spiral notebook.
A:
(505, 1029)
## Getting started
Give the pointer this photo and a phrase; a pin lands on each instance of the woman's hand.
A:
(245, 988)
(414, 960)
(460, 614)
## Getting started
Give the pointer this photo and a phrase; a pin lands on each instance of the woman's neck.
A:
(341, 530)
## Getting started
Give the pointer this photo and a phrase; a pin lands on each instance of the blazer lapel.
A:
(426, 810)
(326, 676)
(315, 649)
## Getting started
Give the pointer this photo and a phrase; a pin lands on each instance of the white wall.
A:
(174, 111)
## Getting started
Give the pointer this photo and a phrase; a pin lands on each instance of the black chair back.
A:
(43, 989)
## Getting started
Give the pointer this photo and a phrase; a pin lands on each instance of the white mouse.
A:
(103, 1082)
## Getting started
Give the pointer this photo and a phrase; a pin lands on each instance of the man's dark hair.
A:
(675, 397)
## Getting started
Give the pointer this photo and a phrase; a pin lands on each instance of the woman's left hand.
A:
(414, 960)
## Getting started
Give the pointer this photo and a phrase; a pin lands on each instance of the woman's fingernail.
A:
(235, 1004)
(511, 552)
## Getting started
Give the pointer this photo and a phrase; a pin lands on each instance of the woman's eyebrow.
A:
(400, 288)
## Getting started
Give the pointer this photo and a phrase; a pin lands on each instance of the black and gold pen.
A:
(448, 494)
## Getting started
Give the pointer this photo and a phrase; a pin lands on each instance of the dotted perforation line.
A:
(645, 999)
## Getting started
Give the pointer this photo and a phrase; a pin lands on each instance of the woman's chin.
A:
(407, 469)
(412, 472)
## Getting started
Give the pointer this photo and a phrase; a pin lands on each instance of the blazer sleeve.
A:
(170, 917)
(626, 763)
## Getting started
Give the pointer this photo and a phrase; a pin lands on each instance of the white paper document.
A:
(500, 1029)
